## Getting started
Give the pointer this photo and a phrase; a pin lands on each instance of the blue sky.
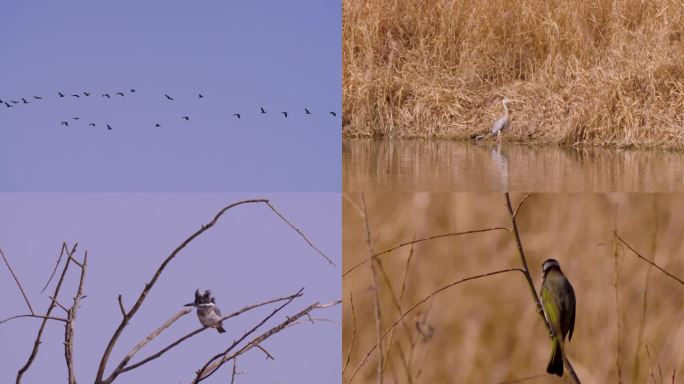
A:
(248, 257)
(284, 56)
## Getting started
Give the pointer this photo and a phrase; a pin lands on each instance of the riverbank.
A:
(599, 74)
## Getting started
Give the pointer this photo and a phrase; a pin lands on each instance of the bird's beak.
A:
(189, 305)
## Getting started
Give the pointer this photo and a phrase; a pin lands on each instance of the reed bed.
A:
(629, 324)
(600, 73)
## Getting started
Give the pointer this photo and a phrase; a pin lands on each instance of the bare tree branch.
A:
(33, 316)
(16, 279)
(351, 346)
(121, 305)
(452, 234)
(69, 327)
(647, 260)
(54, 270)
(36, 343)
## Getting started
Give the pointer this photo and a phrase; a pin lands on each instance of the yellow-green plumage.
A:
(558, 300)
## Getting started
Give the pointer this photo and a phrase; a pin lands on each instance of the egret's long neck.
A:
(505, 108)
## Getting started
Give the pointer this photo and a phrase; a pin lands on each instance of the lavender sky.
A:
(249, 256)
(241, 55)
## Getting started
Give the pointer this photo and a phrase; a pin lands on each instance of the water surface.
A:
(447, 165)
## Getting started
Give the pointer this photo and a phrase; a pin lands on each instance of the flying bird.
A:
(77, 96)
(86, 93)
(132, 90)
(201, 96)
(109, 127)
(7, 105)
(37, 97)
(60, 94)
(186, 118)
(64, 123)
(106, 95)
(237, 115)
(157, 125)
(284, 114)
(24, 100)
(263, 110)
(14, 102)
(333, 113)
(307, 111)
(168, 97)
(91, 124)
(120, 94)
(76, 118)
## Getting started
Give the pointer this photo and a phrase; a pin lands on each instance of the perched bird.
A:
(106, 95)
(120, 94)
(237, 115)
(186, 118)
(37, 97)
(201, 95)
(24, 100)
(60, 94)
(64, 123)
(91, 124)
(503, 122)
(109, 127)
(284, 114)
(558, 301)
(168, 97)
(306, 111)
(263, 110)
(86, 93)
(333, 113)
(207, 311)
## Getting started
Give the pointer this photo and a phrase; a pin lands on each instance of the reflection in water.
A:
(443, 165)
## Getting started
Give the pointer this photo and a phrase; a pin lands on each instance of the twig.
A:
(648, 261)
(421, 302)
(268, 355)
(36, 343)
(193, 333)
(528, 277)
(54, 270)
(351, 345)
(33, 316)
(16, 279)
(376, 294)
(520, 204)
(69, 327)
(452, 234)
(59, 304)
(232, 376)
(121, 305)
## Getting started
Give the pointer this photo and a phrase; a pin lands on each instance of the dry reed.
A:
(604, 73)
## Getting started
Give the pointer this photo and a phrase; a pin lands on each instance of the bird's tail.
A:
(220, 329)
(555, 365)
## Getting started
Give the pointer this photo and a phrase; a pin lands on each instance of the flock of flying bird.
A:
(10, 103)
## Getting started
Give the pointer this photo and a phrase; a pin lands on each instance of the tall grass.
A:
(581, 73)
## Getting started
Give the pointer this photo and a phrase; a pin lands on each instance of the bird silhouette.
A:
(77, 118)
(333, 113)
(106, 95)
(307, 111)
(109, 127)
(14, 102)
(157, 125)
(60, 94)
(7, 105)
(77, 96)
(64, 123)
(201, 96)
(237, 115)
(37, 97)
(168, 97)
(24, 100)
(186, 118)
(132, 90)
(91, 124)
(284, 114)
(120, 94)
(263, 110)
(86, 93)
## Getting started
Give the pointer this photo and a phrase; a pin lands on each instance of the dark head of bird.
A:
(201, 298)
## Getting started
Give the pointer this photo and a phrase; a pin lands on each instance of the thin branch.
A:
(121, 305)
(232, 376)
(520, 204)
(16, 279)
(301, 234)
(528, 277)
(376, 294)
(69, 327)
(452, 234)
(211, 366)
(54, 270)
(193, 333)
(59, 304)
(423, 301)
(647, 260)
(268, 355)
(33, 316)
(260, 339)
(36, 343)
(351, 345)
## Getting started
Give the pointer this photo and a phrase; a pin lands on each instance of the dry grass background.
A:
(583, 73)
(487, 330)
